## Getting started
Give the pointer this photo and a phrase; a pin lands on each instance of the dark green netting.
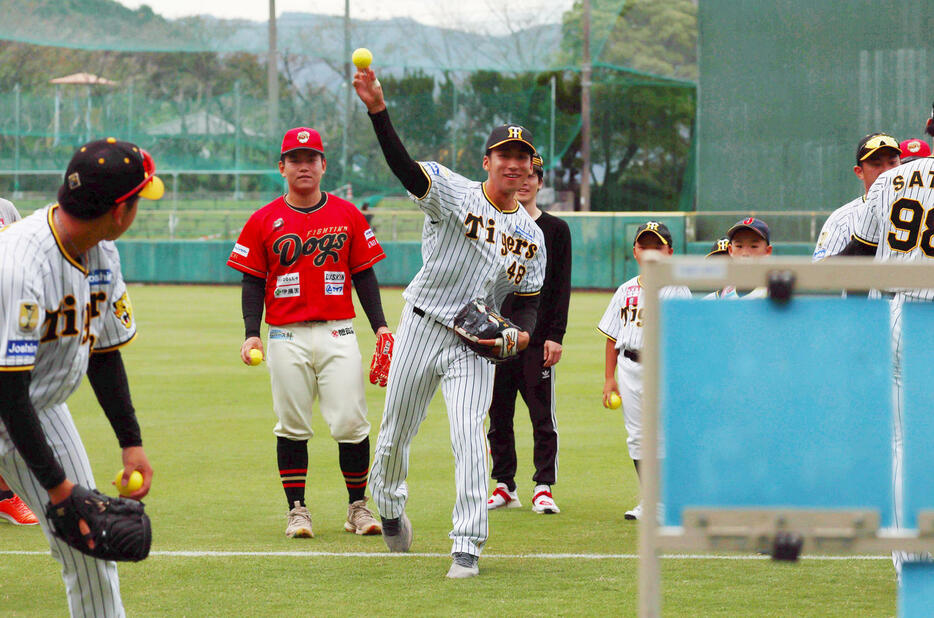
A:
(204, 113)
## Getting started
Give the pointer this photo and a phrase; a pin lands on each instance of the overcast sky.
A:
(488, 15)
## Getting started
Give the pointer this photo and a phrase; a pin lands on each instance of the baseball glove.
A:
(486, 332)
(118, 527)
(379, 366)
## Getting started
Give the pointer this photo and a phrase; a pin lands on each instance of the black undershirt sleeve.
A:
(855, 247)
(406, 169)
(25, 431)
(525, 311)
(107, 376)
(368, 292)
(252, 297)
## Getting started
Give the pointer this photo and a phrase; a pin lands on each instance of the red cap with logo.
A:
(914, 149)
(302, 138)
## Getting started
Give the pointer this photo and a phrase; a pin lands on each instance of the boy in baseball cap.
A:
(749, 238)
(621, 324)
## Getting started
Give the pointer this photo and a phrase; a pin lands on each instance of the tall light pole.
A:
(272, 75)
(348, 80)
(585, 108)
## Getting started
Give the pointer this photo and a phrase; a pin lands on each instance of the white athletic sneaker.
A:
(542, 501)
(634, 513)
(398, 533)
(502, 497)
(299, 523)
(463, 566)
(360, 520)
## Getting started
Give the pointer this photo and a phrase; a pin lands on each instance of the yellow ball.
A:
(615, 401)
(135, 482)
(362, 57)
(256, 357)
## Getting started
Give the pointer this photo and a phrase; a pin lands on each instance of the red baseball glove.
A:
(379, 366)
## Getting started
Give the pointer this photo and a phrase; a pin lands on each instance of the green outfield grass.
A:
(207, 425)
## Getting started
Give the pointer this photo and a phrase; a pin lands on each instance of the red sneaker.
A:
(16, 512)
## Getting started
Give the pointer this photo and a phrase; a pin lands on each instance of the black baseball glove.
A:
(486, 332)
(118, 527)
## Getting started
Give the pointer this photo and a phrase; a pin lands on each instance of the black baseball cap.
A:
(654, 227)
(506, 133)
(873, 143)
(538, 164)
(750, 223)
(721, 246)
(105, 172)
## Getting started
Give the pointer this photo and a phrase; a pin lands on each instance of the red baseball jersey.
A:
(306, 258)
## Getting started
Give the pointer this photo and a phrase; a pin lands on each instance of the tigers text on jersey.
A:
(54, 310)
(837, 230)
(306, 257)
(472, 249)
(8, 212)
(622, 320)
(898, 216)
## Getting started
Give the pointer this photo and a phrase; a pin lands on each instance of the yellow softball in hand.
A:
(614, 401)
(135, 482)
(256, 357)
(362, 57)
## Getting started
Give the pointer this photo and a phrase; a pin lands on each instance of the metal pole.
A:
(585, 108)
(87, 113)
(58, 115)
(129, 114)
(453, 124)
(16, 107)
(348, 79)
(272, 75)
(551, 137)
(237, 194)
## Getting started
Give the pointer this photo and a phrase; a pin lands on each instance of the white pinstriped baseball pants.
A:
(92, 585)
(427, 354)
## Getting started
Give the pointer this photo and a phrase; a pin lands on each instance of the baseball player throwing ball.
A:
(298, 255)
(477, 243)
(65, 312)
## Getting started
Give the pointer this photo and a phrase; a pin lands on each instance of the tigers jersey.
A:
(622, 320)
(8, 212)
(898, 216)
(55, 311)
(472, 249)
(837, 230)
(306, 257)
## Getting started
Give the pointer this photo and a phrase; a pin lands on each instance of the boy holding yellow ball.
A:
(622, 326)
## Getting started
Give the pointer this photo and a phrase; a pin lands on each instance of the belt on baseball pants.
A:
(419, 312)
(632, 355)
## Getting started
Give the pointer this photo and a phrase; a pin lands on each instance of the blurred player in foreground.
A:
(12, 508)
(65, 312)
(875, 153)
(622, 325)
(477, 243)
(533, 374)
(298, 255)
